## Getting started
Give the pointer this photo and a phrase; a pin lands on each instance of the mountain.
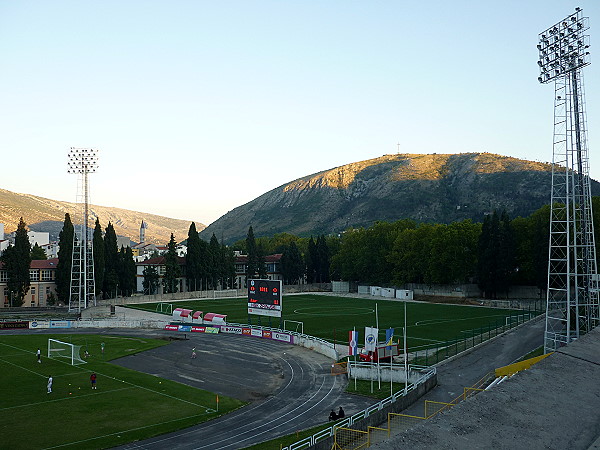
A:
(42, 214)
(427, 188)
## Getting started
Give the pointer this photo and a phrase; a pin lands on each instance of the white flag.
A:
(371, 338)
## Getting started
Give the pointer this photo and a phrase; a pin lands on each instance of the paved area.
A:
(553, 405)
(465, 370)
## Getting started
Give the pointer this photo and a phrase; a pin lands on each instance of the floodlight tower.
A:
(82, 161)
(572, 296)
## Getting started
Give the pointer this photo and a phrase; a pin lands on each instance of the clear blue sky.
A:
(200, 106)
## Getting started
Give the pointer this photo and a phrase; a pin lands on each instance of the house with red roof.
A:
(42, 276)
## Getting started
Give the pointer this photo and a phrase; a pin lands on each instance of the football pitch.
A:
(126, 405)
(331, 318)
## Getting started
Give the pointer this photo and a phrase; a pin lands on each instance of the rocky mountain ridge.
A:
(427, 188)
(42, 214)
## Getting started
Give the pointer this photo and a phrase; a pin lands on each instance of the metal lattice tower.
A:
(82, 161)
(572, 296)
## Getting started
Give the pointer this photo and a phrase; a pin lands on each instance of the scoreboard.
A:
(264, 297)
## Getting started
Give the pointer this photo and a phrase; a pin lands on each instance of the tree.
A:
(311, 258)
(292, 265)
(38, 253)
(251, 251)
(228, 266)
(193, 261)
(99, 259)
(151, 279)
(261, 266)
(65, 259)
(172, 269)
(111, 258)
(215, 262)
(17, 261)
(322, 260)
(127, 272)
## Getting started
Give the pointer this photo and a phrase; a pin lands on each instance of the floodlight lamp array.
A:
(563, 47)
(82, 160)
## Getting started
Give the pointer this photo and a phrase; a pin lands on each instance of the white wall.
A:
(38, 237)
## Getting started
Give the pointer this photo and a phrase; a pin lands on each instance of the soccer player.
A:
(39, 355)
(194, 353)
(49, 384)
(93, 380)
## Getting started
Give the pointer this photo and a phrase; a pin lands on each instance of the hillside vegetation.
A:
(436, 188)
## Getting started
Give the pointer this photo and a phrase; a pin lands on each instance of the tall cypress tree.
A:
(215, 262)
(228, 267)
(17, 264)
(111, 266)
(322, 264)
(65, 260)
(193, 262)
(312, 264)
(292, 265)
(506, 253)
(99, 262)
(172, 269)
(251, 250)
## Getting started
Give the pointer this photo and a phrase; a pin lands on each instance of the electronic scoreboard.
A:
(264, 297)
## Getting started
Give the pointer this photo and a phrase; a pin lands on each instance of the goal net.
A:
(59, 349)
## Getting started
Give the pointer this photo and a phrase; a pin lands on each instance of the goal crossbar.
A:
(60, 349)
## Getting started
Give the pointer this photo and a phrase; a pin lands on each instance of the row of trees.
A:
(114, 268)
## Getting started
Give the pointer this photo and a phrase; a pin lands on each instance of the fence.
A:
(326, 437)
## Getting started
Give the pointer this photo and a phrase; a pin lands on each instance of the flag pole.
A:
(376, 351)
(405, 355)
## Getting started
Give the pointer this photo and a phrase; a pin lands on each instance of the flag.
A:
(371, 338)
(353, 342)
(389, 338)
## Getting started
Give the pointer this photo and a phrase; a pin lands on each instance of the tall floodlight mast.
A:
(572, 296)
(82, 161)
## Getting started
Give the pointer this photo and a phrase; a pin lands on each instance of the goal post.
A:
(60, 349)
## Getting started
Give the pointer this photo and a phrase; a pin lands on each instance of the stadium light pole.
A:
(572, 284)
(82, 161)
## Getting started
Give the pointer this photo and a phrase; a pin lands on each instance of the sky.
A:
(197, 107)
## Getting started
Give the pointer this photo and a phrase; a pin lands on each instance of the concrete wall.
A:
(379, 417)
(340, 286)
(472, 291)
(372, 372)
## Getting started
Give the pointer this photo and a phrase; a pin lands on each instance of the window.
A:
(34, 274)
(3, 276)
(47, 275)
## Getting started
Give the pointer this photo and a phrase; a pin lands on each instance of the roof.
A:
(40, 263)
(160, 261)
(268, 259)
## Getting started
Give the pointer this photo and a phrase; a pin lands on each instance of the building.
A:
(272, 262)
(159, 264)
(42, 275)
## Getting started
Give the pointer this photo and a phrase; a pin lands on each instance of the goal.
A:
(59, 349)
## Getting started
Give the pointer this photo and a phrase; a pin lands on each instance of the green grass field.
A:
(126, 406)
(331, 318)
